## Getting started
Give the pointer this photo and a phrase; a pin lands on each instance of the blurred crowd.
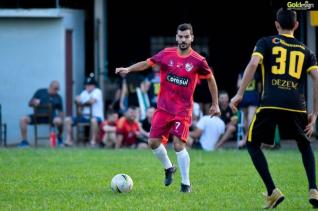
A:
(124, 120)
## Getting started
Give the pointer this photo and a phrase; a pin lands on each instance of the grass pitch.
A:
(79, 179)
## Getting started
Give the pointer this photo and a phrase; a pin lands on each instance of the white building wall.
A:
(32, 54)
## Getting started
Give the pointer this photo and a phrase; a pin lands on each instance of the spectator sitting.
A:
(115, 99)
(228, 118)
(208, 130)
(129, 131)
(250, 101)
(196, 113)
(146, 123)
(143, 97)
(91, 95)
(109, 128)
(43, 97)
(154, 85)
(129, 96)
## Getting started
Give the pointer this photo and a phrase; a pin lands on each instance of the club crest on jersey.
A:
(188, 67)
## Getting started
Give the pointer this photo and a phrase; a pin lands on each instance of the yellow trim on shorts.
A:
(249, 138)
(281, 108)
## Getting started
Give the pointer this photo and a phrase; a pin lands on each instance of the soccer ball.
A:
(121, 183)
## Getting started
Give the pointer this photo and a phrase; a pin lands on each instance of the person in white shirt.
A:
(208, 130)
(91, 95)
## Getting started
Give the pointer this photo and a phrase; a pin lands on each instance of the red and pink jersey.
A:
(178, 78)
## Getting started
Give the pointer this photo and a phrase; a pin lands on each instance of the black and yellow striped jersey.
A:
(285, 62)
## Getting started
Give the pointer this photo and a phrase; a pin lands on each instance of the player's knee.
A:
(154, 143)
(178, 145)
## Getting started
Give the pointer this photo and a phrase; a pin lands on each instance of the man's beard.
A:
(184, 46)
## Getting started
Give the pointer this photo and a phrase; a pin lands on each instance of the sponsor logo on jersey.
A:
(285, 84)
(180, 81)
(275, 40)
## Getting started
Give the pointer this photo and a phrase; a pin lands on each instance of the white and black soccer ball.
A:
(121, 183)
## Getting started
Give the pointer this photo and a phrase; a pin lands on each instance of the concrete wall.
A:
(32, 55)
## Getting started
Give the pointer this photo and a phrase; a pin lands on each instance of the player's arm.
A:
(140, 66)
(123, 94)
(247, 77)
(313, 116)
(214, 109)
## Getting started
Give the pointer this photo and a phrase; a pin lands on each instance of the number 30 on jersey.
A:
(296, 61)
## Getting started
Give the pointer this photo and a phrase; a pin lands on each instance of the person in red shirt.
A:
(180, 69)
(129, 131)
(108, 129)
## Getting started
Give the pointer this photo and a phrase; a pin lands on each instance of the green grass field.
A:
(79, 179)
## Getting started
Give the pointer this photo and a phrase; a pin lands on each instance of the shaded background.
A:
(231, 29)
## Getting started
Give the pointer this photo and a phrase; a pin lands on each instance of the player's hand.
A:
(122, 71)
(310, 126)
(214, 110)
(235, 101)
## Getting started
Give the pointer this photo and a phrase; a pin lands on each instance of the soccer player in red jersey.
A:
(180, 68)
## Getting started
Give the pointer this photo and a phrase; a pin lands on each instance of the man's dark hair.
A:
(185, 26)
(223, 92)
(286, 18)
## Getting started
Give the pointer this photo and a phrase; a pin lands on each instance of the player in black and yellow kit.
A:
(285, 63)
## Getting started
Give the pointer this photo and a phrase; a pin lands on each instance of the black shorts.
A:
(291, 126)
